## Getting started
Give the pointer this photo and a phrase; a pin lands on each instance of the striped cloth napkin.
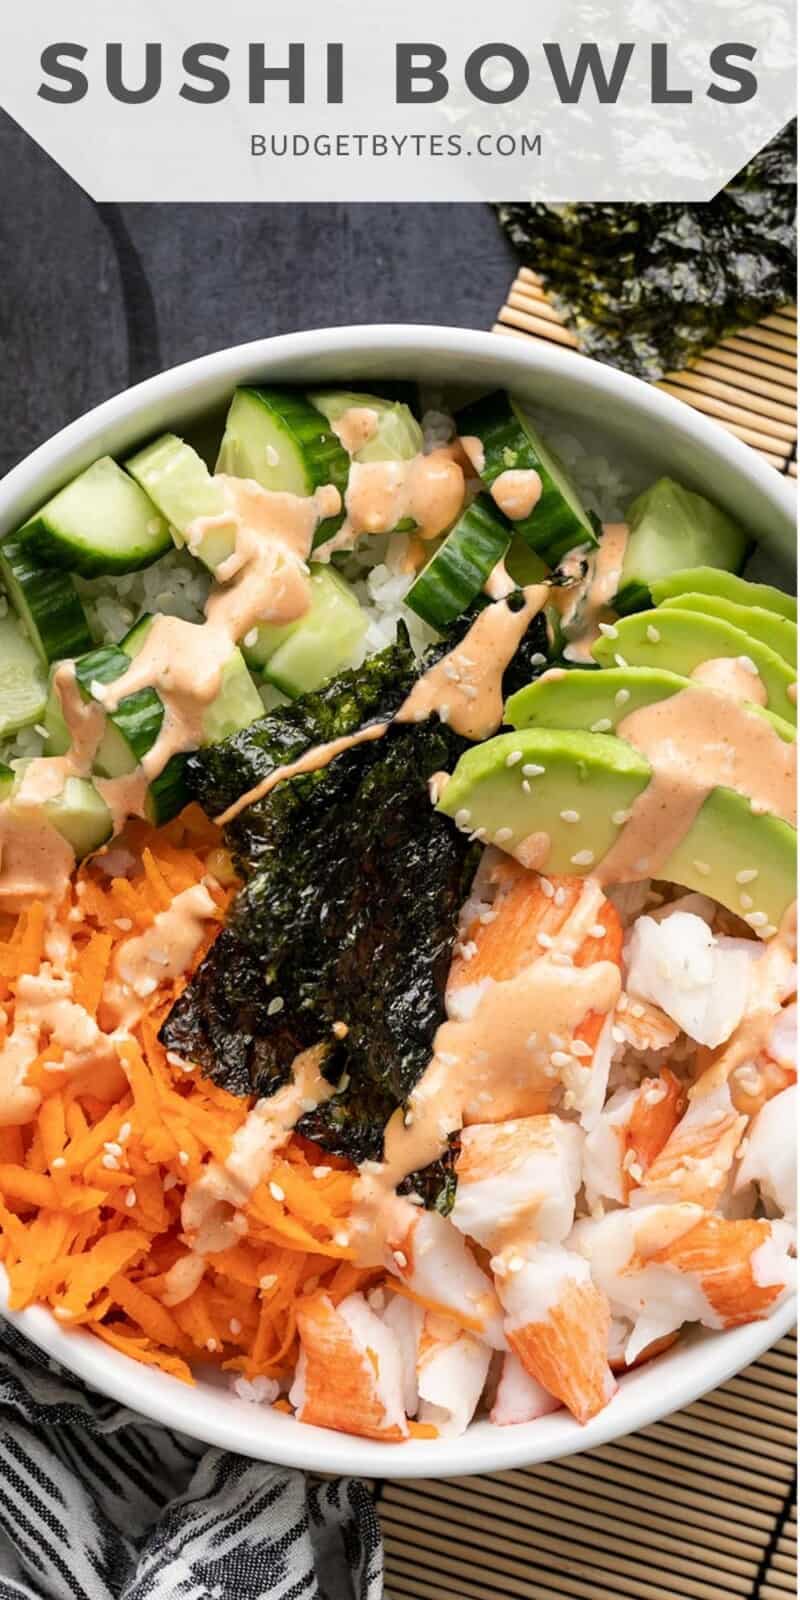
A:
(96, 1503)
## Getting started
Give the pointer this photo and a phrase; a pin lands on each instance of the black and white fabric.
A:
(96, 1503)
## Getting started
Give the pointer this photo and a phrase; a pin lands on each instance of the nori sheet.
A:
(647, 287)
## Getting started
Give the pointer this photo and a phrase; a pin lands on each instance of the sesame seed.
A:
(560, 896)
(340, 1030)
(602, 725)
(537, 659)
(211, 1345)
(757, 919)
(320, 1172)
(275, 1005)
(622, 697)
(608, 630)
(748, 665)
(124, 1132)
(581, 1048)
(653, 634)
(618, 1035)
(400, 1258)
(516, 1263)
(532, 770)
(513, 757)
(769, 931)
(342, 1239)
(110, 1163)
(235, 1326)
(112, 1148)
(268, 1281)
(746, 902)
(503, 835)
(582, 858)
(526, 788)
(96, 689)
(702, 867)
(547, 888)
(597, 931)
(544, 940)
(130, 1199)
(277, 1192)
(57, 1164)
(560, 1058)
(251, 638)
(747, 875)
(620, 660)
(462, 817)
(183, 1158)
(444, 712)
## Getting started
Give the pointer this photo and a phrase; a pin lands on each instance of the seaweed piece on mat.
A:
(648, 287)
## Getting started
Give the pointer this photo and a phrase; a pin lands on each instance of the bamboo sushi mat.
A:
(702, 1506)
(748, 382)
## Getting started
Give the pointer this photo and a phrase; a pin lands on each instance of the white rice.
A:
(179, 586)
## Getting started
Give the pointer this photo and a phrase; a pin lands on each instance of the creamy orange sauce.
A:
(35, 861)
(695, 741)
(44, 1009)
(428, 491)
(164, 951)
(183, 662)
(733, 676)
(499, 584)
(517, 493)
(125, 797)
(584, 608)
(474, 451)
(355, 427)
(265, 579)
(319, 756)
(465, 688)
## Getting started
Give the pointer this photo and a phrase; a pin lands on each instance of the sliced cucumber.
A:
(511, 442)
(23, 691)
(46, 602)
(458, 569)
(322, 642)
(712, 580)
(102, 523)
(523, 564)
(397, 436)
(180, 485)
(81, 816)
(281, 441)
(671, 527)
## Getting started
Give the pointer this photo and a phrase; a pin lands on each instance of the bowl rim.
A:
(704, 1360)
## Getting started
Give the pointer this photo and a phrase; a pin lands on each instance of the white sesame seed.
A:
(277, 1192)
(544, 940)
(560, 1058)
(130, 1199)
(560, 896)
(620, 660)
(608, 630)
(769, 931)
(320, 1172)
(602, 725)
(653, 634)
(526, 788)
(748, 665)
(537, 659)
(124, 1132)
(275, 1005)
(619, 818)
(96, 689)
(702, 867)
(513, 757)
(532, 770)
(746, 902)
(57, 1164)
(211, 1345)
(251, 638)
(618, 1035)
(516, 1263)
(747, 875)
(400, 1258)
(581, 1048)
(462, 817)
(597, 931)
(622, 697)
(503, 835)
(582, 858)
(123, 923)
(547, 888)
(110, 1163)
(112, 1148)
(342, 1239)
(570, 816)
(183, 1158)
(444, 712)
(757, 919)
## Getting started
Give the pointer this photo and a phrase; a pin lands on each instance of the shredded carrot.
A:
(422, 1430)
(92, 1186)
(470, 1323)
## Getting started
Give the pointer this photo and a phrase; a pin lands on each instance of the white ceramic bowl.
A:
(619, 413)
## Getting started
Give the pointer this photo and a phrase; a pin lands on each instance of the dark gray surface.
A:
(94, 298)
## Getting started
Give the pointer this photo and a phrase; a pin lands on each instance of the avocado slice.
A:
(521, 783)
(598, 701)
(778, 633)
(711, 580)
(670, 524)
(680, 641)
(594, 777)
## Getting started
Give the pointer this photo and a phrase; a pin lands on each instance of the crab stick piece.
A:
(629, 1134)
(518, 1178)
(702, 982)
(663, 1265)
(349, 1374)
(698, 1157)
(405, 1318)
(770, 1154)
(557, 1322)
(452, 1367)
(643, 1025)
(519, 1397)
(433, 1259)
(621, 1330)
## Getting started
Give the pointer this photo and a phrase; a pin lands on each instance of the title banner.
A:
(645, 100)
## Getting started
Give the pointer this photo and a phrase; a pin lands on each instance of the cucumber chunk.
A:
(46, 602)
(181, 487)
(101, 524)
(81, 816)
(317, 646)
(23, 692)
(511, 442)
(397, 436)
(713, 581)
(671, 527)
(459, 568)
(281, 441)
